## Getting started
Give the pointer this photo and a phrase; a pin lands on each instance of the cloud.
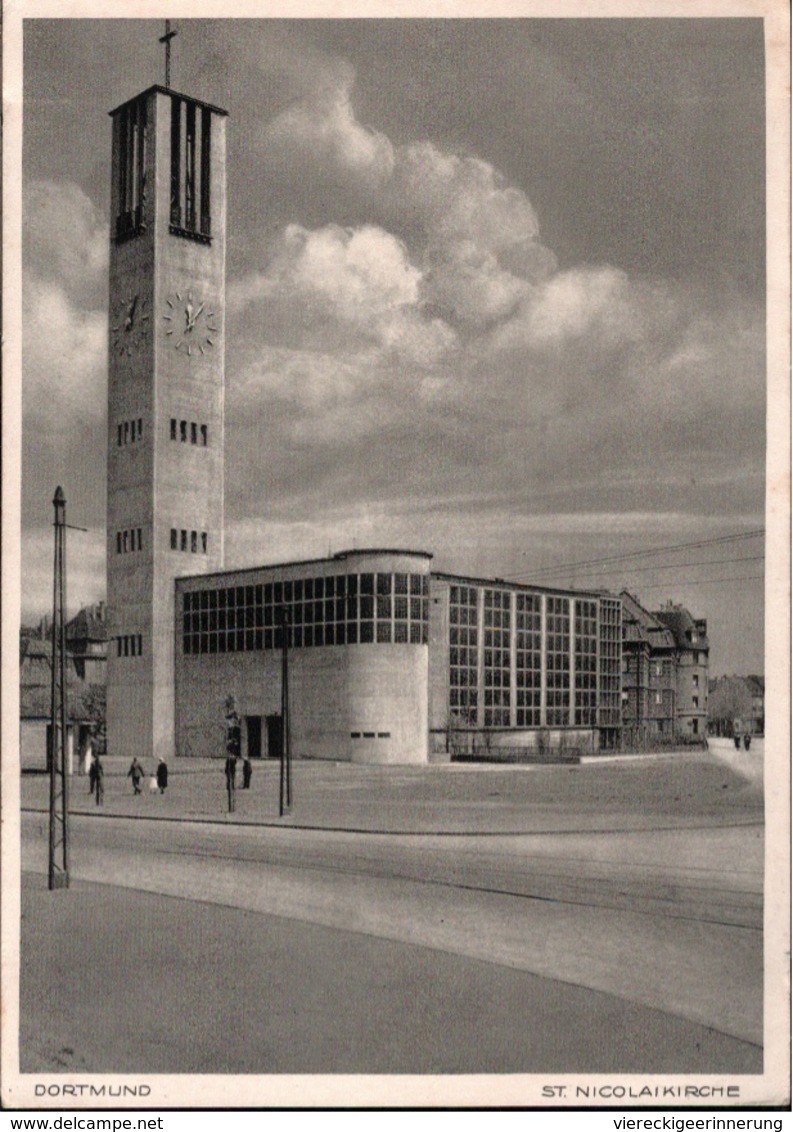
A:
(86, 566)
(322, 129)
(66, 239)
(352, 288)
(64, 358)
(64, 350)
(412, 367)
(474, 237)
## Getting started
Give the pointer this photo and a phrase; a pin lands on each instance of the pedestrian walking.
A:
(97, 778)
(747, 741)
(162, 775)
(135, 772)
(247, 771)
(231, 780)
(92, 774)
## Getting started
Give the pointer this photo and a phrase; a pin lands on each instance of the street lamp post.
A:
(59, 770)
(285, 791)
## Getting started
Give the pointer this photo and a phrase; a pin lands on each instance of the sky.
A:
(495, 290)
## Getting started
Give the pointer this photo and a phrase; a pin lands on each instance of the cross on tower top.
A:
(166, 39)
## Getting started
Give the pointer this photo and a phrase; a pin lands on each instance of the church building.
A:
(375, 657)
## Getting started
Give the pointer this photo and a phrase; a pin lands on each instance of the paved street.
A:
(629, 945)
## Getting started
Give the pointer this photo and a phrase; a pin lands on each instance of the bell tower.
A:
(165, 395)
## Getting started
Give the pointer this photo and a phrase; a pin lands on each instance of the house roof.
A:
(35, 702)
(686, 632)
(639, 626)
(89, 624)
(35, 682)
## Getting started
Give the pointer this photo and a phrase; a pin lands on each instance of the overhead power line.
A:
(564, 567)
(705, 581)
(668, 565)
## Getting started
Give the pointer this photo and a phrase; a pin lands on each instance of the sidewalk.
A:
(671, 791)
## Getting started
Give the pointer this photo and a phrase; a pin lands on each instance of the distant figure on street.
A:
(92, 774)
(231, 779)
(135, 772)
(737, 742)
(247, 771)
(88, 755)
(747, 741)
(96, 777)
(162, 775)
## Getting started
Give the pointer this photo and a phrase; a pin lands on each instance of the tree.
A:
(730, 701)
(94, 706)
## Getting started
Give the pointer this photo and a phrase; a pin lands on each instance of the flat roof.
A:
(340, 556)
(467, 580)
(368, 552)
(174, 94)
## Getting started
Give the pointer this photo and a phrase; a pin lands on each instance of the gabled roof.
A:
(89, 624)
(686, 632)
(639, 626)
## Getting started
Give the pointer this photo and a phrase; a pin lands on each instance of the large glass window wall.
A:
(344, 609)
(610, 662)
(463, 654)
(557, 662)
(528, 659)
(586, 674)
(496, 665)
(582, 644)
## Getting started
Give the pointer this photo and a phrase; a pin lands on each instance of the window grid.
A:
(586, 643)
(557, 662)
(463, 654)
(610, 662)
(496, 658)
(528, 659)
(334, 610)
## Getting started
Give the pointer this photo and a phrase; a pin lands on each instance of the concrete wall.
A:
(347, 703)
(439, 655)
(692, 681)
(156, 483)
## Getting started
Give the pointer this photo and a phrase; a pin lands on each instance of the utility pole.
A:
(59, 770)
(233, 747)
(285, 792)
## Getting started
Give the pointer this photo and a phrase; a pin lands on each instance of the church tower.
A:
(165, 396)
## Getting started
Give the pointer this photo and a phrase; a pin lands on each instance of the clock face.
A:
(130, 317)
(190, 325)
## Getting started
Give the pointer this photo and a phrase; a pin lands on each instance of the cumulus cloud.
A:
(322, 127)
(354, 288)
(86, 564)
(475, 237)
(65, 239)
(64, 357)
(436, 343)
(64, 317)
(64, 349)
